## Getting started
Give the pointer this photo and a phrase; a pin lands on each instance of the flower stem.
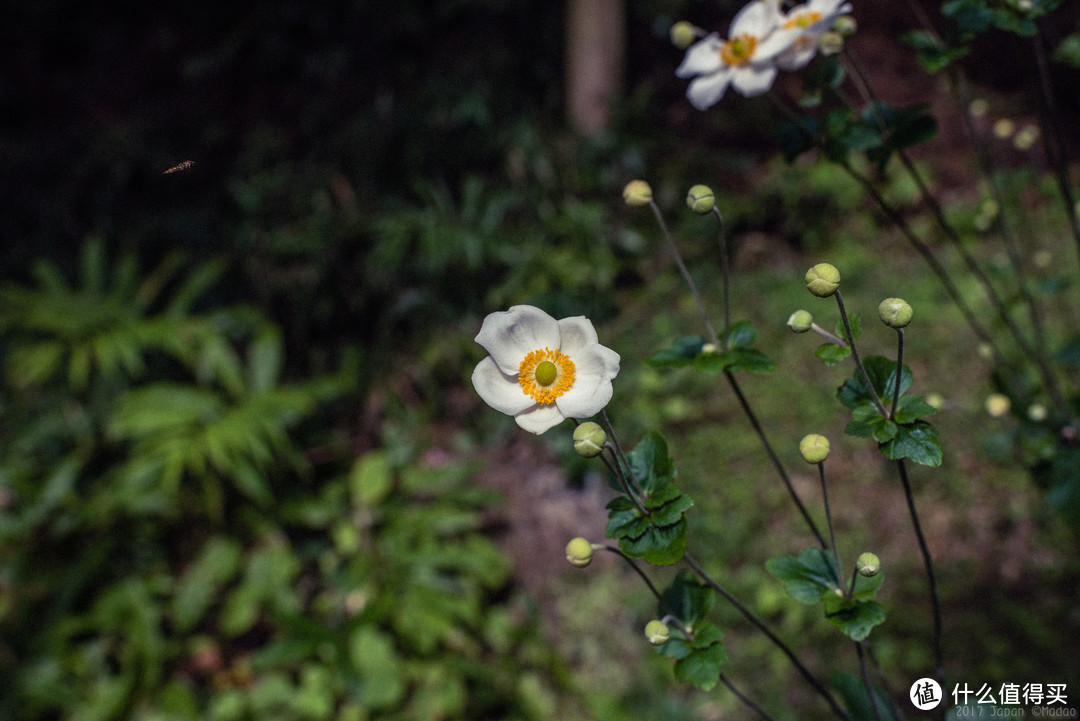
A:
(772, 456)
(831, 337)
(829, 523)
(866, 680)
(745, 699)
(899, 370)
(939, 661)
(855, 354)
(726, 272)
(713, 338)
(760, 625)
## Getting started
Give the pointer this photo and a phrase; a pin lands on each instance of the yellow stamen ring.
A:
(803, 19)
(545, 375)
(738, 50)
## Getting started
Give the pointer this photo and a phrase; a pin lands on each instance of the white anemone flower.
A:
(541, 370)
(745, 61)
(802, 28)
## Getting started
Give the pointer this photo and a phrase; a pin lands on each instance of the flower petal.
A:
(706, 91)
(702, 57)
(499, 390)
(757, 18)
(510, 335)
(754, 80)
(576, 333)
(594, 368)
(540, 418)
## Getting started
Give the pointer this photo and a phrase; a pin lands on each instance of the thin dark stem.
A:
(866, 680)
(899, 370)
(855, 354)
(745, 699)
(726, 272)
(760, 625)
(1038, 355)
(1052, 143)
(616, 470)
(645, 578)
(829, 524)
(939, 661)
(621, 461)
(685, 274)
(773, 457)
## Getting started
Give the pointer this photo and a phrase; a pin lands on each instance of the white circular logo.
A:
(925, 694)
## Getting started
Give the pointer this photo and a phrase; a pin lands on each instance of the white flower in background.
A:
(745, 60)
(802, 27)
(541, 370)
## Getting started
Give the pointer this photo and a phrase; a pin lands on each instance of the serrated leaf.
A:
(866, 422)
(911, 407)
(808, 577)
(660, 546)
(832, 354)
(856, 618)
(917, 441)
(701, 667)
(882, 374)
(688, 598)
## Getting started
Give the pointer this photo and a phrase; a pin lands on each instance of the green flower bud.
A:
(800, 321)
(936, 400)
(894, 312)
(657, 632)
(709, 349)
(867, 564)
(589, 439)
(637, 193)
(701, 199)
(1037, 412)
(822, 280)
(814, 448)
(845, 25)
(831, 43)
(683, 34)
(579, 552)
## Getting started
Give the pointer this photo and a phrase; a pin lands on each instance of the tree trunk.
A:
(595, 51)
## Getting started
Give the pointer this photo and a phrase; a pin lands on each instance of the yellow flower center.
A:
(738, 50)
(545, 375)
(803, 20)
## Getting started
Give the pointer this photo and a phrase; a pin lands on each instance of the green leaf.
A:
(917, 441)
(866, 421)
(933, 54)
(911, 407)
(741, 334)
(660, 546)
(689, 599)
(370, 478)
(681, 353)
(701, 667)
(380, 669)
(807, 578)
(832, 354)
(216, 564)
(856, 618)
(882, 374)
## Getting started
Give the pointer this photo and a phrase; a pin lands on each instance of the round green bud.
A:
(579, 552)
(822, 280)
(701, 199)
(589, 439)
(1037, 412)
(894, 312)
(637, 193)
(936, 400)
(845, 25)
(683, 34)
(709, 349)
(830, 43)
(657, 632)
(814, 448)
(867, 564)
(800, 321)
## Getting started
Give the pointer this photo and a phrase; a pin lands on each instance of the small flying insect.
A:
(181, 166)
